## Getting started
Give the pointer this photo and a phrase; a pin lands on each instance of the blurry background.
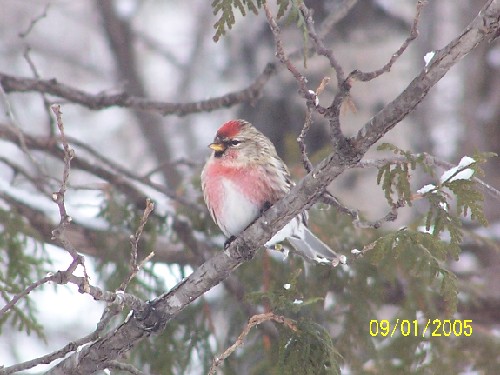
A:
(163, 50)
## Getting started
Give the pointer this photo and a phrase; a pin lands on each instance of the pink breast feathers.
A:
(248, 182)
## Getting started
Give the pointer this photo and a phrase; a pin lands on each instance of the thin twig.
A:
(68, 155)
(109, 312)
(320, 47)
(24, 293)
(329, 199)
(308, 166)
(339, 141)
(252, 322)
(340, 11)
(16, 128)
(134, 242)
(310, 96)
(368, 76)
(34, 21)
(282, 57)
(46, 101)
(58, 197)
(391, 216)
(60, 277)
(307, 125)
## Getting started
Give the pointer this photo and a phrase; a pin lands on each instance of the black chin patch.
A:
(218, 154)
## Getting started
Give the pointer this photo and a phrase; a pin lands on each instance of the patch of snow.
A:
(422, 229)
(426, 188)
(466, 263)
(286, 252)
(459, 172)
(466, 174)
(316, 100)
(428, 57)
(321, 260)
(466, 161)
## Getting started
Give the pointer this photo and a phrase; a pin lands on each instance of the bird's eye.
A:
(235, 142)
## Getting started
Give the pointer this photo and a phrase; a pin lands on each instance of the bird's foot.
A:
(240, 252)
(265, 207)
(228, 242)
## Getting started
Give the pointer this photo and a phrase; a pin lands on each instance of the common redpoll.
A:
(242, 178)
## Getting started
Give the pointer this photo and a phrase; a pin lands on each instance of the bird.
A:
(242, 178)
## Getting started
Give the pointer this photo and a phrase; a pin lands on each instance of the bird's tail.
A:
(312, 248)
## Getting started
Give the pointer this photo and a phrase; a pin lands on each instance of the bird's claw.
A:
(240, 253)
(265, 207)
(228, 242)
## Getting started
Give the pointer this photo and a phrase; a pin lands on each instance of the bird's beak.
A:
(217, 146)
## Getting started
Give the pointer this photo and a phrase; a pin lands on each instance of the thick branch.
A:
(114, 175)
(100, 101)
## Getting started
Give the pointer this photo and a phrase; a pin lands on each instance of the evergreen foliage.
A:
(227, 17)
(22, 261)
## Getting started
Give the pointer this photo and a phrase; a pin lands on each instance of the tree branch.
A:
(113, 174)
(100, 101)
(134, 243)
(252, 322)
(283, 58)
(106, 317)
(485, 25)
(367, 76)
